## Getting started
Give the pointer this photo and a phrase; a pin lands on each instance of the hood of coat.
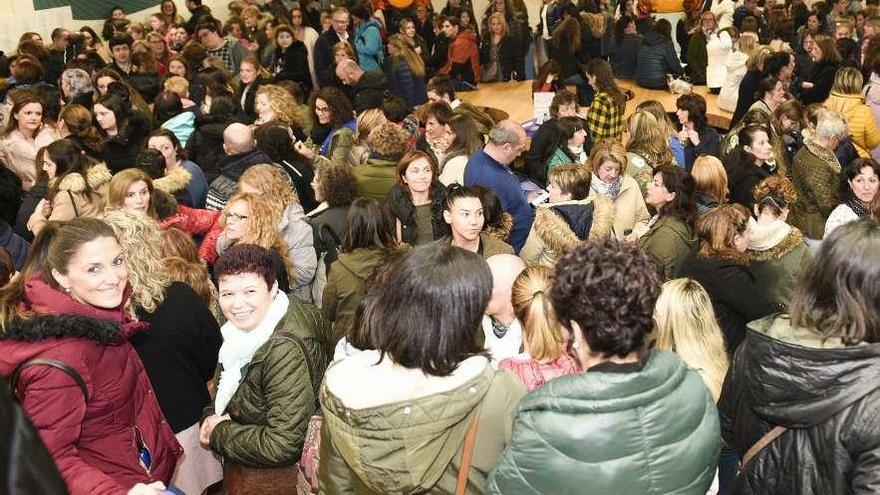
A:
(400, 439)
(371, 22)
(372, 79)
(183, 120)
(797, 379)
(97, 175)
(362, 261)
(653, 38)
(773, 240)
(173, 181)
(567, 223)
(466, 35)
(821, 152)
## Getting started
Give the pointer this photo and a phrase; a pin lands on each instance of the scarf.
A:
(325, 146)
(42, 298)
(857, 207)
(611, 190)
(239, 347)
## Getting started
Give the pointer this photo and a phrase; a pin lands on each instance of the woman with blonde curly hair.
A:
(646, 148)
(667, 128)
(253, 219)
(180, 350)
(543, 357)
(777, 252)
(274, 104)
(273, 183)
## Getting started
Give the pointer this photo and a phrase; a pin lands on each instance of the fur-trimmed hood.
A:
(174, 181)
(97, 175)
(567, 223)
(773, 241)
(502, 229)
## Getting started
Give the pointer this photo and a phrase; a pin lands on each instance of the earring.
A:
(67, 290)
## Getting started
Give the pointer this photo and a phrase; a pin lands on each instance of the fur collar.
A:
(558, 235)
(502, 229)
(791, 240)
(173, 181)
(43, 326)
(821, 153)
(98, 175)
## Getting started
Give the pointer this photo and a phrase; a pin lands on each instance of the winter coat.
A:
(656, 58)
(822, 79)
(231, 169)
(198, 184)
(335, 218)
(605, 117)
(337, 145)
(92, 442)
(630, 211)
(182, 125)
(841, 215)
(205, 146)
(247, 100)
(368, 43)
(563, 225)
(404, 83)
(718, 48)
(385, 440)
(825, 393)
(121, 150)
(624, 55)
(293, 65)
(71, 199)
(179, 353)
(816, 177)
(277, 394)
(300, 240)
(369, 91)
(463, 61)
(736, 296)
(669, 241)
(648, 428)
(345, 286)
(777, 256)
(375, 178)
(748, 86)
(710, 144)
(400, 205)
(14, 244)
(859, 119)
(697, 57)
(301, 176)
(20, 153)
(743, 180)
(508, 57)
(736, 71)
(176, 183)
(323, 56)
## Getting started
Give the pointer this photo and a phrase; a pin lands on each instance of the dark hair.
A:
(663, 28)
(69, 159)
(564, 128)
(850, 171)
(677, 181)
(609, 289)
(838, 294)
(395, 108)
(223, 105)
(605, 83)
(562, 97)
(336, 183)
(776, 63)
(120, 39)
(457, 191)
(620, 26)
(369, 226)
(165, 133)
(166, 106)
(442, 85)
(120, 108)
(51, 99)
(695, 105)
(152, 162)
(274, 140)
(210, 24)
(246, 258)
(361, 11)
(493, 213)
(550, 67)
(442, 290)
(746, 137)
(28, 70)
(339, 104)
(767, 85)
(357, 335)
(440, 110)
(7, 267)
(467, 137)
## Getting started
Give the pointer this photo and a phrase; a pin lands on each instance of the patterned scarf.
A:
(858, 208)
(611, 190)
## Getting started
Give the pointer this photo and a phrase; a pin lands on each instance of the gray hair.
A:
(502, 134)
(831, 124)
(79, 81)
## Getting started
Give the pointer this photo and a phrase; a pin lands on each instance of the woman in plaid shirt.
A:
(605, 117)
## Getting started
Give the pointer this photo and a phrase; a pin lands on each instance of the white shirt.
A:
(504, 347)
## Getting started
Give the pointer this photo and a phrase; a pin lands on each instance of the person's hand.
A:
(550, 78)
(630, 238)
(682, 136)
(155, 488)
(44, 207)
(694, 136)
(208, 426)
(305, 151)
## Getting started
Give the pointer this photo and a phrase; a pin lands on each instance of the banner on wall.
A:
(88, 10)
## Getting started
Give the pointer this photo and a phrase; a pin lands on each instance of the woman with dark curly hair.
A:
(670, 236)
(604, 294)
(696, 135)
(330, 108)
(335, 189)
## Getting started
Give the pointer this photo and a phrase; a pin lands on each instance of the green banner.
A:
(89, 10)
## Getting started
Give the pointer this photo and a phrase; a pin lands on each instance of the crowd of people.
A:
(276, 253)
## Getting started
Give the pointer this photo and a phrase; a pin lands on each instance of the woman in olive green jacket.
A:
(408, 438)
(271, 365)
(670, 236)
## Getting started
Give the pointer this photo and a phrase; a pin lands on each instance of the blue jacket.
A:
(656, 58)
(368, 43)
(403, 83)
(14, 244)
(484, 170)
(198, 185)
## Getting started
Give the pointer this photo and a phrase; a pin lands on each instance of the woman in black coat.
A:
(817, 87)
(499, 52)
(125, 129)
(417, 200)
(697, 136)
(252, 75)
(291, 59)
(721, 266)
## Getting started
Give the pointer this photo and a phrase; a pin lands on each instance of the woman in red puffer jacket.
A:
(92, 403)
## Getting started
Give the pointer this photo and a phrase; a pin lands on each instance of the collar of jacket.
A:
(173, 181)
(773, 241)
(821, 153)
(97, 175)
(556, 231)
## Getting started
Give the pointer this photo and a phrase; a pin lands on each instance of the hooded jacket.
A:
(604, 431)
(404, 83)
(669, 241)
(463, 61)
(369, 91)
(408, 439)
(120, 150)
(559, 226)
(205, 145)
(368, 43)
(825, 393)
(182, 125)
(300, 240)
(176, 183)
(777, 256)
(375, 178)
(656, 58)
(71, 199)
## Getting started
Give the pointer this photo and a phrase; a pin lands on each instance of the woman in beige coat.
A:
(77, 188)
(608, 161)
(24, 135)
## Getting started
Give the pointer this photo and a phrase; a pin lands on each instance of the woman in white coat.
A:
(723, 10)
(736, 70)
(718, 49)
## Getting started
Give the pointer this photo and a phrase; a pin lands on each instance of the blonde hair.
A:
(647, 140)
(282, 103)
(572, 178)
(410, 57)
(748, 43)
(759, 57)
(542, 334)
(264, 215)
(847, 81)
(273, 182)
(140, 240)
(177, 85)
(366, 122)
(710, 177)
(657, 109)
(686, 325)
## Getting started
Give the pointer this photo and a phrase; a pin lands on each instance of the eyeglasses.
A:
(322, 109)
(234, 216)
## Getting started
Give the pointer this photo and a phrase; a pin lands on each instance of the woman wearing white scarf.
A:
(608, 161)
(270, 364)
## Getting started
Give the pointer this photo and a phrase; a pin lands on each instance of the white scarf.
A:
(239, 347)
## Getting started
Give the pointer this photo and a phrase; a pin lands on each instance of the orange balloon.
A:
(400, 4)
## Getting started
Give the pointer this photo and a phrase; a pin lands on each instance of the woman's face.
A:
(466, 219)
(164, 145)
(30, 117)
(864, 186)
(66, 90)
(103, 82)
(262, 107)
(495, 26)
(577, 140)
(608, 171)
(709, 22)
(316, 187)
(157, 45)
(323, 111)
(339, 56)
(137, 198)
(465, 18)
(326, 23)
(245, 299)
(156, 23)
(106, 118)
(777, 96)
(808, 45)
(237, 221)
(741, 241)
(418, 176)
(247, 72)
(96, 274)
(87, 38)
(296, 17)
(284, 39)
(869, 31)
(761, 147)
(177, 68)
(51, 169)
(410, 30)
(785, 123)
(556, 194)
(816, 53)
(236, 31)
(813, 23)
(168, 8)
(657, 195)
(683, 116)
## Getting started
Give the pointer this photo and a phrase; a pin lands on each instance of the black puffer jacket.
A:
(826, 395)
(400, 205)
(205, 146)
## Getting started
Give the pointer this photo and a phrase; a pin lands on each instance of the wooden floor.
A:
(515, 98)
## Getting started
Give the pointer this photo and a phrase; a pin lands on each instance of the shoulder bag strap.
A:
(302, 347)
(466, 455)
(73, 203)
(54, 363)
(761, 444)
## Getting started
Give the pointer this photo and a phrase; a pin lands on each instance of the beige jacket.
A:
(552, 233)
(71, 200)
(20, 153)
(630, 211)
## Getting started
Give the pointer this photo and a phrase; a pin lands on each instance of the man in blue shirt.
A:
(489, 167)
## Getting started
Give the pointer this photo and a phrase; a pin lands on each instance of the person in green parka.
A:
(388, 143)
(636, 420)
(670, 236)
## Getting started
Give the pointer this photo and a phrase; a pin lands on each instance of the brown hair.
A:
(717, 229)
(177, 243)
(192, 274)
(389, 141)
(606, 150)
(572, 178)
(271, 181)
(78, 120)
(710, 177)
(120, 184)
(775, 192)
(25, 98)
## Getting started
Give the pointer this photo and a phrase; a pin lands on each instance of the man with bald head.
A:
(501, 329)
(489, 167)
(241, 154)
(369, 87)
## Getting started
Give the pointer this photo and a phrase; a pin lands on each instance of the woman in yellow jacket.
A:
(847, 99)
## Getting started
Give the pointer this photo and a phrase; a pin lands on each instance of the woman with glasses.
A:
(64, 347)
(331, 109)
